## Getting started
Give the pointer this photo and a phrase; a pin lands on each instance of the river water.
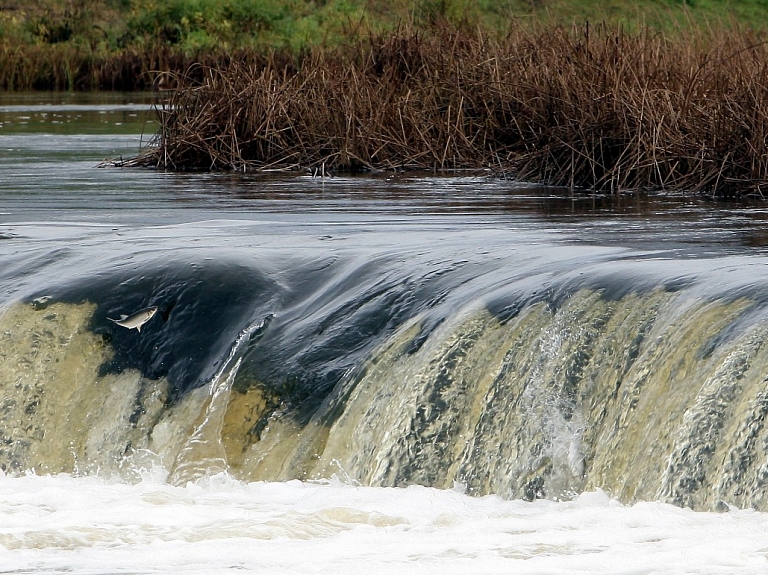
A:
(381, 373)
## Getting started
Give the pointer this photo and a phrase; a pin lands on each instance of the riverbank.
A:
(127, 44)
(585, 107)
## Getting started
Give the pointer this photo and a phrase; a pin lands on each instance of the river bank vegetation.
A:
(601, 95)
(588, 106)
(122, 44)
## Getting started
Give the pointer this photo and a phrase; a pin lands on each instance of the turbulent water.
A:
(457, 333)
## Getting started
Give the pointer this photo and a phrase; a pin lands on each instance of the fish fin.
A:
(138, 328)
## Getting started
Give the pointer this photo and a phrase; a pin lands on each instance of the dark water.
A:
(303, 288)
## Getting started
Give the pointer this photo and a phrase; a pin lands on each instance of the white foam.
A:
(90, 525)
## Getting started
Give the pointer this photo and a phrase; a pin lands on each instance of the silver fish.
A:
(137, 319)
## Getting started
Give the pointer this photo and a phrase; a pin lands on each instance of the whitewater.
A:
(217, 525)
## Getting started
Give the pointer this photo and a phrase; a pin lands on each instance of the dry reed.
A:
(592, 108)
(68, 67)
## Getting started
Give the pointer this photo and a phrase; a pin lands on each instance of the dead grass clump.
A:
(583, 107)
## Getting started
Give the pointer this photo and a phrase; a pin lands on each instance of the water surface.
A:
(409, 372)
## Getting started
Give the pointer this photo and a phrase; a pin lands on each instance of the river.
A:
(381, 373)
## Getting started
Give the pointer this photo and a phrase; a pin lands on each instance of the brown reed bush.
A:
(587, 107)
(78, 67)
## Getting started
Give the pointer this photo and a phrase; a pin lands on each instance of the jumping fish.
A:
(136, 320)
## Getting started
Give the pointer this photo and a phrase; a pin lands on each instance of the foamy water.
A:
(64, 524)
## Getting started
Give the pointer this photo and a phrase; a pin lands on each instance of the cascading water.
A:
(536, 374)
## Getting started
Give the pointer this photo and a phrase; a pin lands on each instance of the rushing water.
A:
(407, 372)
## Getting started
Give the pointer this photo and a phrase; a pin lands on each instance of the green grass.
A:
(73, 44)
(205, 24)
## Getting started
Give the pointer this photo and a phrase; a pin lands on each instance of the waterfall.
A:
(653, 394)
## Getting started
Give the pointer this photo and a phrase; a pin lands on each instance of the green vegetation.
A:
(113, 44)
